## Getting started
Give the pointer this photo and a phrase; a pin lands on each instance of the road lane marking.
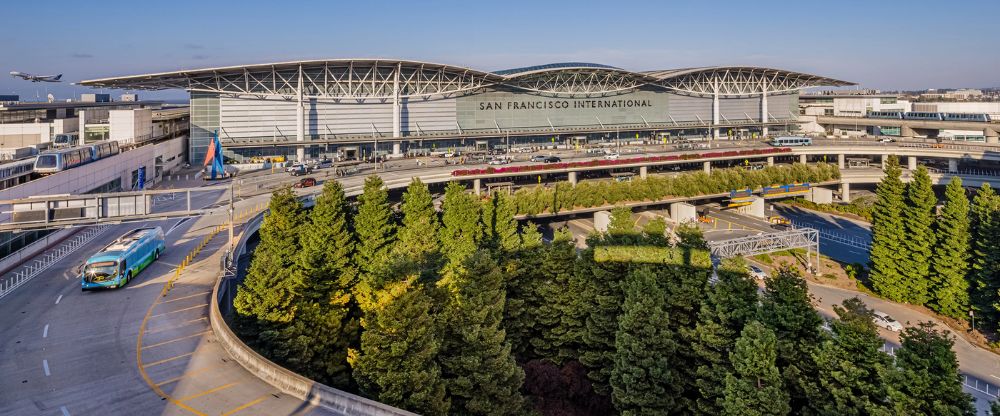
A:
(177, 339)
(188, 374)
(45, 332)
(207, 392)
(167, 360)
(246, 405)
(188, 296)
(182, 325)
(180, 310)
(64, 411)
(991, 375)
(173, 227)
(58, 299)
(45, 365)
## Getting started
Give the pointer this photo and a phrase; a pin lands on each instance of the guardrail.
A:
(838, 237)
(41, 264)
(281, 378)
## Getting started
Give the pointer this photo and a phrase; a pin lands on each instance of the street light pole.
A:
(232, 210)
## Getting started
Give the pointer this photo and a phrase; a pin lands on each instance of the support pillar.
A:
(643, 172)
(397, 149)
(396, 109)
(477, 186)
(906, 131)
(81, 126)
(911, 162)
(763, 111)
(770, 160)
(707, 166)
(991, 135)
(715, 108)
(884, 158)
(300, 121)
(840, 161)
(572, 178)
(845, 192)
(803, 159)
(952, 165)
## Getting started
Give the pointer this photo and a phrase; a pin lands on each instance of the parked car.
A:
(611, 156)
(499, 161)
(552, 159)
(883, 320)
(757, 273)
(305, 183)
(539, 158)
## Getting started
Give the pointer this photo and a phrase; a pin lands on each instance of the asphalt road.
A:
(841, 239)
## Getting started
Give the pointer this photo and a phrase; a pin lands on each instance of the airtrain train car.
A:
(55, 161)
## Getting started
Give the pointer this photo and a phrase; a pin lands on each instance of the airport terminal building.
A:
(354, 106)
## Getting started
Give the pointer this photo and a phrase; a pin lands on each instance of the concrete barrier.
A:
(281, 378)
(29, 251)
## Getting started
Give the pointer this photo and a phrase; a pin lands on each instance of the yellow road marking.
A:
(179, 310)
(209, 391)
(182, 324)
(246, 405)
(176, 339)
(167, 360)
(186, 297)
(187, 374)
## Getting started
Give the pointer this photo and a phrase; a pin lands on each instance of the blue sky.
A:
(879, 44)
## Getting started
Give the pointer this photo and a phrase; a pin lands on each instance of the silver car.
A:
(883, 320)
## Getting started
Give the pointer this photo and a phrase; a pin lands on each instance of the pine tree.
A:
(621, 222)
(504, 224)
(888, 251)
(643, 380)
(552, 334)
(787, 310)
(374, 230)
(950, 264)
(754, 387)
(418, 236)
(479, 370)
(327, 323)
(730, 303)
(524, 297)
(656, 230)
(985, 273)
(600, 283)
(461, 229)
(918, 219)
(927, 380)
(851, 366)
(268, 293)
(397, 364)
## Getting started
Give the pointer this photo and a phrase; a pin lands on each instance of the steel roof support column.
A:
(396, 112)
(715, 107)
(763, 110)
(300, 121)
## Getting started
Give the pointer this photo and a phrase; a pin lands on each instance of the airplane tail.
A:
(57, 77)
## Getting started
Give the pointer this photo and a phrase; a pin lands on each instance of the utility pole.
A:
(232, 209)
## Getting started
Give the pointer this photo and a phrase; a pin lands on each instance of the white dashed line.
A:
(58, 299)
(45, 332)
(64, 411)
(45, 365)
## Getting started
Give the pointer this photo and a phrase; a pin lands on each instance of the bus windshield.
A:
(46, 161)
(101, 270)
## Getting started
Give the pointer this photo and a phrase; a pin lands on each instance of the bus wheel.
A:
(156, 254)
(128, 278)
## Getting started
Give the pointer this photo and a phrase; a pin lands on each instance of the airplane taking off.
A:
(36, 78)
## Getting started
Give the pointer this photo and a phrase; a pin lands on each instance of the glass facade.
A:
(204, 122)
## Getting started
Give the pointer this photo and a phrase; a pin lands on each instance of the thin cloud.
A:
(81, 55)
(193, 46)
(199, 57)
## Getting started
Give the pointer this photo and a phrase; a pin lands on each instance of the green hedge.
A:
(652, 255)
(564, 196)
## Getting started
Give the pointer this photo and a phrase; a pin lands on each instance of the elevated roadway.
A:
(75, 353)
(908, 126)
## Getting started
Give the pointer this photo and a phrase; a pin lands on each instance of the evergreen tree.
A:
(927, 381)
(730, 303)
(418, 235)
(985, 273)
(621, 222)
(851, 366)
(461, 229)
(643, 379)
(374, 229)
(504, 224)
(269, 291)
(656, 230)
(888, 251)
(918, 219)
(787, 310)
(600, 282)
(754, 387)
(399, 347)
(524, 295)
(950, 263)
(327, 323)
(479, 370)
(553, 334)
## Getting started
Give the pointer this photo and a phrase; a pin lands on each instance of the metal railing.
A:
(43, 262)
(968, 381)
(838, 237)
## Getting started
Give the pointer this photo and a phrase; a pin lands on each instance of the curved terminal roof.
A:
(388, 78)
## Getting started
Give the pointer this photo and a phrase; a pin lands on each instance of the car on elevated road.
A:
(305, 183)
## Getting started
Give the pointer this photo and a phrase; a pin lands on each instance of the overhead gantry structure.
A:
(388, 80)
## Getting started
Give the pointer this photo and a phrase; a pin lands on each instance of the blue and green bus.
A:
(119, 262)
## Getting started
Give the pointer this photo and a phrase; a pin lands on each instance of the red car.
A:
(305, 183)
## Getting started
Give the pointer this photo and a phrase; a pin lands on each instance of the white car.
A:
(757, 273)
(499, 161)
(883, 320)
(611, 156)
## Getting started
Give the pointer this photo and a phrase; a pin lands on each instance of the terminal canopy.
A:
(389, 79)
